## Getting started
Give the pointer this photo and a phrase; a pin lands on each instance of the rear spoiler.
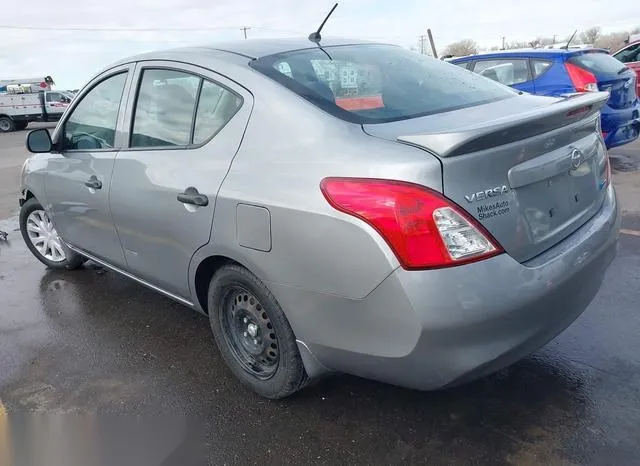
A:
(511, 128)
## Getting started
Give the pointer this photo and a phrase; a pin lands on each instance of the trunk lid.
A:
(611, 75)
(530, 169)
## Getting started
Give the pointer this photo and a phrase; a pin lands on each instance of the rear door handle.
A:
(94, 183)
(192, 196)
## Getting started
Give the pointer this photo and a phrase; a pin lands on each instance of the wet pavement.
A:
(92, 341)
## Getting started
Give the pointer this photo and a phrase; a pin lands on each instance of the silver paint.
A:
(350, 305)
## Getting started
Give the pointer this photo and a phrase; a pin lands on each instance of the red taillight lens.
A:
(582, 80)
(422, 227)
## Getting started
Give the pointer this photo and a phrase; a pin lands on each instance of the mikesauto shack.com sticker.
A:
(493, 210)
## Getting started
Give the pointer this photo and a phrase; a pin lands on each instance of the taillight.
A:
(423, 228)
(582, 80)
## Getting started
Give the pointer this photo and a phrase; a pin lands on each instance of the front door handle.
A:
(192, 196)
(94, 183)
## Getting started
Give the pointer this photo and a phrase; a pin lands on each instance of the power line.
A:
(140, 29)
(110, 29)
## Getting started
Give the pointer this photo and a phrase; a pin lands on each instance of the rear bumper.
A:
(431, 329)
(621, 126)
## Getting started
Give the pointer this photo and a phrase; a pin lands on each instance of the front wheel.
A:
(253, 334)
(42, 239)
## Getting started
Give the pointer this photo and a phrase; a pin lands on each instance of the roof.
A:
(237, 52)
(528, 53)
(256, 48)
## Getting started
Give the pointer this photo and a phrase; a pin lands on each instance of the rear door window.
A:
(164, 109)
(504, 71)
(216, 106)
(540, 67)
(378, 83)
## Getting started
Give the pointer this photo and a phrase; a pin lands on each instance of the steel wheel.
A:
(249, 333)
(44, 236)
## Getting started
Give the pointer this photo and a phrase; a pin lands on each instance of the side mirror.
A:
(39, 141)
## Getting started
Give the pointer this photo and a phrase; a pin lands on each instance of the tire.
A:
(7, 124)
(61, 257)
(21, 125)
(234, 292)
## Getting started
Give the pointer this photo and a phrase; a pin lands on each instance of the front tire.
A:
(253, 334)
(42, 239)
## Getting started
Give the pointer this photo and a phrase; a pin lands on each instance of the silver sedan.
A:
(333, 207)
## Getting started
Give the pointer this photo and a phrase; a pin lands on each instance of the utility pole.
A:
(433, 44)
(244, 30)
(503, 45)
(421, 42)
(554, 38)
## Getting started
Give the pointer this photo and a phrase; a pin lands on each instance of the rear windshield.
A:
(598, 63)
(378, 83)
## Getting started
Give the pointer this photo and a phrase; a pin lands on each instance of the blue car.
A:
(558, 72)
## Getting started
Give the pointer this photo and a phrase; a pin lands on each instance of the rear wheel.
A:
(6, 124)
(42, 239)
(253, 334)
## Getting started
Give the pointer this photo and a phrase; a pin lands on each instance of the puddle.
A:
(624, 162)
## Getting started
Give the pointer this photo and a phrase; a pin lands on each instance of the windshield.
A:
(378, 83)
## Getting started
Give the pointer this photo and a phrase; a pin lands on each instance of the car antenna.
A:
(566, 47)
(315, 36)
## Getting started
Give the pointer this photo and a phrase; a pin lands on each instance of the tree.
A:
(541, 42)
(517, 44)
(591, 35)
(612, 42)
(461, 48)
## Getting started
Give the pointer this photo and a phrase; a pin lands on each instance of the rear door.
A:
(185, 126)
(630, 56)
(514, 72)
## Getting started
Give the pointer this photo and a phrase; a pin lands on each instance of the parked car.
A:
(557, 72)
(330, 209)
(630, 56)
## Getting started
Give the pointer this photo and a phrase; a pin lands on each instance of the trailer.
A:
(28, 100)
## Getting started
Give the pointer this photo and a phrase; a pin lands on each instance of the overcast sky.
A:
(72, 57)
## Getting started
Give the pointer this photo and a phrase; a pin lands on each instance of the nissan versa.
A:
(333, 207)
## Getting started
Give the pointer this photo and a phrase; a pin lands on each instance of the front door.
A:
(55, 104)
(79, 177)
(186, 125)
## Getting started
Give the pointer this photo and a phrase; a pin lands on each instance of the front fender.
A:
(32, 180)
